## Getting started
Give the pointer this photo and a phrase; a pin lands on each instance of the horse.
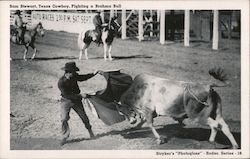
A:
(108, 33)
(29, 38)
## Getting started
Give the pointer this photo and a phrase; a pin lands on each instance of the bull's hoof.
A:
(161, 140)
(63, 142)
(235, 147)
(211, 140)
(132, 120)
(213, 143)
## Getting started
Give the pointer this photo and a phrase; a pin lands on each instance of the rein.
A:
(187, 88)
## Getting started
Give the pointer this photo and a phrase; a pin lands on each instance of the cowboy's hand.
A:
(98, 71)
(95, 72)
(84, 95)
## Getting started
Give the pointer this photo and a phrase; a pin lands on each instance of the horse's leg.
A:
(34, 48)
(84, 48)
(25, 52)
(104, 51)
(86, 51)
(80, 53)
(109, 51)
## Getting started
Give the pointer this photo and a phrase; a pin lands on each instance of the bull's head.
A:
(128, 112)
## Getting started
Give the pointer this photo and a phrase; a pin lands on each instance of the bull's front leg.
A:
(149, 119)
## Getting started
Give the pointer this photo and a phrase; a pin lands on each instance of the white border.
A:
(5, 152)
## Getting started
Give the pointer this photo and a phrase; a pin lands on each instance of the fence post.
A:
(162, 27)
(151, 25)
(102, 15)
(124, 25)
(216, 30)
(140, 25)
(186, 27)
(112, 13)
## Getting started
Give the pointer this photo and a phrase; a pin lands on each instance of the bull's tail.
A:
(220, 75)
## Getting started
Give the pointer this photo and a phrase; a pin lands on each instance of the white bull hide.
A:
(150, 95)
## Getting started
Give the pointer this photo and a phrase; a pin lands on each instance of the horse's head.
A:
(114, 24)
(128, 112)
(111, 25)
(39, 29)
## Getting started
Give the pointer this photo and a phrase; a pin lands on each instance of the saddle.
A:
(19, 32)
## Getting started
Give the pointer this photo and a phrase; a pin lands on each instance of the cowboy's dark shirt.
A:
(97, 20)
(69, 87)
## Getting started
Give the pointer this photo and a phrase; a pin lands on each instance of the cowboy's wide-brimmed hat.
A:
(18, 12)
(70, 66)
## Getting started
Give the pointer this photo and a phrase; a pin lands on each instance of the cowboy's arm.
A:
(88, 76)
(66, 93)
(84, 77)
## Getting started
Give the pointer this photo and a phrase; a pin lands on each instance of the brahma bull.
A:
(149, 96)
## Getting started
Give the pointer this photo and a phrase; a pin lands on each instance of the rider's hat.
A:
(18, 12)
(70, 67)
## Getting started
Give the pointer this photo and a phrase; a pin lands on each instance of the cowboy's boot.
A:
(22, 36)
(20, 40)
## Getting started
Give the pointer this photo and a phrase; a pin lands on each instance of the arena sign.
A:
(59, 21)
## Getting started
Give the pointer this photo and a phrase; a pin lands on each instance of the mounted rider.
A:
(19, 26)
(97, 21)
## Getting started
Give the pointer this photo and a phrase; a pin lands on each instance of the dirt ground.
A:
(35, 96)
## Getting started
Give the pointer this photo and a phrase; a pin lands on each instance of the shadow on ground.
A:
(171, 131)
(124, 57)
(47, 58)
(177, 131)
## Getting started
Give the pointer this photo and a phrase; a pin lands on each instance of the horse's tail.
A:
(80, 39)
